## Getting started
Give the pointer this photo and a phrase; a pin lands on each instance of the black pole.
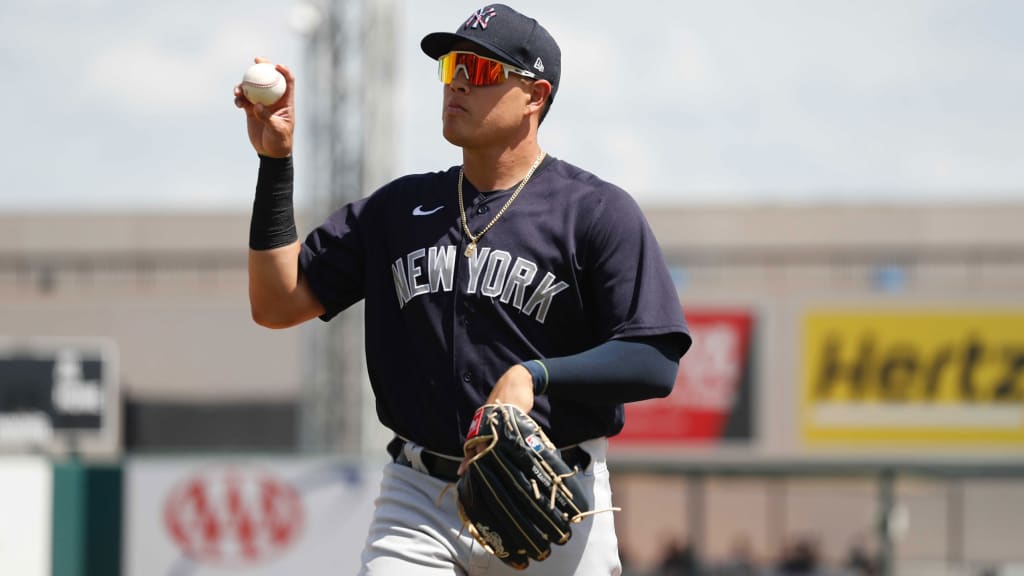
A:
(887, 505)
(955, 520)
(695, 503)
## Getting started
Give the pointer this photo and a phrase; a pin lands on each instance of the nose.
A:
(460, 83)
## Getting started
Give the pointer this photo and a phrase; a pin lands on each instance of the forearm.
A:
(617, 371)
(278, 297)
(273, 208)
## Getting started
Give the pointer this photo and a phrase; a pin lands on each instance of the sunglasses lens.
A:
(479, 70)
(446, 67)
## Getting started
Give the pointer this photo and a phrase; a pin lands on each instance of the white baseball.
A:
(263, 84)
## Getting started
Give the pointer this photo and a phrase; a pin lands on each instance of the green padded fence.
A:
(86, 519)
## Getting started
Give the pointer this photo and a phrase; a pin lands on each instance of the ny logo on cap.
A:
(480, 18)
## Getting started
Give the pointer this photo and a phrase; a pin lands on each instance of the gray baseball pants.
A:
(416, 530)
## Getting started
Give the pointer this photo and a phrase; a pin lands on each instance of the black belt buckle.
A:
(440, 467)
(575, 457)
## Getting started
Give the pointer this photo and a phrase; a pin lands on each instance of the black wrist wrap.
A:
(273, 212)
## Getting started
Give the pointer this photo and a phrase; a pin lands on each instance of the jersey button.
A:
(482, 209)
(467, 376)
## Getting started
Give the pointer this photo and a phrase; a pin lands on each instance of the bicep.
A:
(279, 295)
(305, 305)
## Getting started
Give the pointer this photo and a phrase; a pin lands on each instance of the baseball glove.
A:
(517, 496)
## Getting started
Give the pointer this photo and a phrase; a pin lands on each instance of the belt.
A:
(447, 469)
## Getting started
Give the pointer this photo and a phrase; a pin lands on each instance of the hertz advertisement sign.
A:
(913, 378)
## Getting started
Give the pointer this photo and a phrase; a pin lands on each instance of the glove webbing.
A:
(556, 484)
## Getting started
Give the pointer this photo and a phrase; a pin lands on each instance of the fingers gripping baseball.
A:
(270, 126)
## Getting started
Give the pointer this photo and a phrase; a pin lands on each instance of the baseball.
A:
(263, 84)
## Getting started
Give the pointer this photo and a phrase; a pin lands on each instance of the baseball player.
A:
(514, 277)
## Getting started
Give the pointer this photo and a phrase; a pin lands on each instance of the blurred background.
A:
(837, 186)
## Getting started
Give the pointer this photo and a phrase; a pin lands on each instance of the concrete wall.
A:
(170, 290)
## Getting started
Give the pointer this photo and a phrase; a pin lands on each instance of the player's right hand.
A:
(514, 387)
(271, 128)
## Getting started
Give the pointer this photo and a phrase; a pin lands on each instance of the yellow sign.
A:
(934, 378)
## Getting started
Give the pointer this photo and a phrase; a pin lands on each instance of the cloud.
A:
(674, 101)
(709, 100)
(157, 79)
(129, 106)
(179, 71)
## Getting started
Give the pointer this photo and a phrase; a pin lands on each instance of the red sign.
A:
(233, 516)
(711, 398)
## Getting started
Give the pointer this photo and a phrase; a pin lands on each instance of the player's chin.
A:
(454, 133)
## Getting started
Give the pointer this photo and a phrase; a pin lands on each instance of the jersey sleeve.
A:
(333, 259)
(628, 282)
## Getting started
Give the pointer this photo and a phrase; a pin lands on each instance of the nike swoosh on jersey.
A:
(419, 211)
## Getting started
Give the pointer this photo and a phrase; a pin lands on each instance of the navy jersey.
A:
(571, 264)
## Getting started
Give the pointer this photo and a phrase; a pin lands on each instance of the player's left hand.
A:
(514, 387)
(518, 496)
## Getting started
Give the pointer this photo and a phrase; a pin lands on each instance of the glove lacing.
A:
(448, 486)
(555, 485)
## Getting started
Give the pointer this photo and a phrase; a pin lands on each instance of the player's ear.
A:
(540, 91)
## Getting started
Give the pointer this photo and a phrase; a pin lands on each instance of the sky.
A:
(120, 105)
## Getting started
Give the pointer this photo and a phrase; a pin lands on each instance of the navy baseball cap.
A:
(506, 35)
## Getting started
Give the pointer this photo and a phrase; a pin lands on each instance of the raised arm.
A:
(279, 297)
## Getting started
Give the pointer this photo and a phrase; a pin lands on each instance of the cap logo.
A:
(480, 18)
(539, 65)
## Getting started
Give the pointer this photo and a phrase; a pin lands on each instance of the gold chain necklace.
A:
(471, 249)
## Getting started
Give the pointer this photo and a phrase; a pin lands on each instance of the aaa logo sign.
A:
(233, 516)
(916, 377)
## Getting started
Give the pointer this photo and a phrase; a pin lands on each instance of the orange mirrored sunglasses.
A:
(479, 71)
